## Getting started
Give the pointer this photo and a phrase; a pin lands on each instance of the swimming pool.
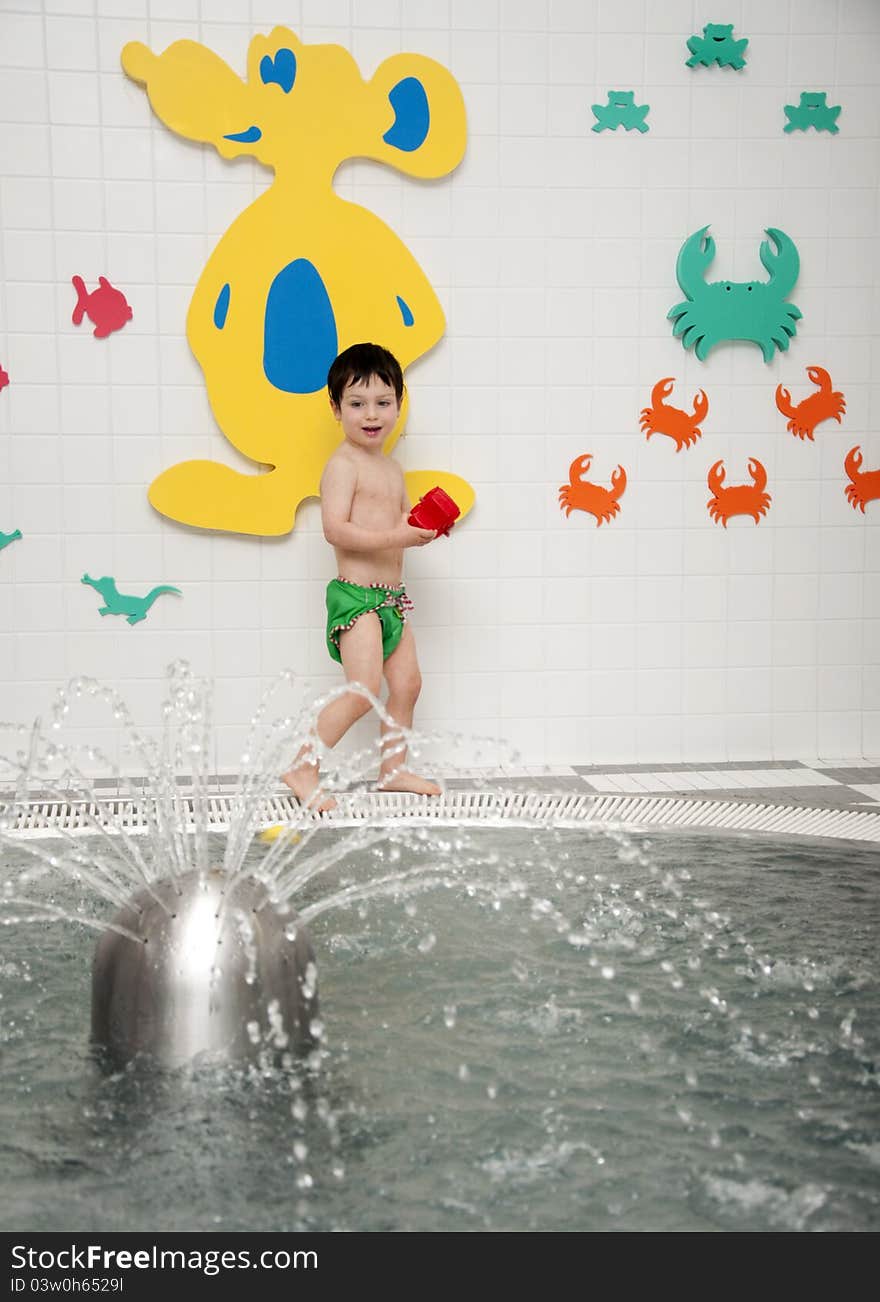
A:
(570, 1031)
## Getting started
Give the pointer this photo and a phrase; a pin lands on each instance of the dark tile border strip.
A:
(729, 766)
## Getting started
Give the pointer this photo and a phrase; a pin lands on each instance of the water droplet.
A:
(309, 981)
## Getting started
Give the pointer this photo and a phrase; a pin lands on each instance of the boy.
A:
(364, 510)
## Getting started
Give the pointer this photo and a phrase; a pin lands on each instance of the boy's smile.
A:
(368, 412)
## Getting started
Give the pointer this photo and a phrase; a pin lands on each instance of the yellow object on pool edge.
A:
(273, 833)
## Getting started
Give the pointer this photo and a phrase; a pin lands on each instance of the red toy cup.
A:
(436, 510)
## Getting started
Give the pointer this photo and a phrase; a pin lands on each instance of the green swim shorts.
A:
(346, 602)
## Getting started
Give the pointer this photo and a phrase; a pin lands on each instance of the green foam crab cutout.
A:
(755, 311)
(717, 45)
(621, 111)
(812, 112)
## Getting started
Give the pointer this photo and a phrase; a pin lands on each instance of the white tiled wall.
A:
(659, 636)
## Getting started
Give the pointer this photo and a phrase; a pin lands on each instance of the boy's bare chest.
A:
(378, 490)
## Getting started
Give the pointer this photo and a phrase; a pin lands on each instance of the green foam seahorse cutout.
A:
(120, 603)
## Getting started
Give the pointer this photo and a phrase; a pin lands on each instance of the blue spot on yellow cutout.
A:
(281, 69)
(221, 307)
(412, 115)
(405, 311)
(300, 339)
(249, 137)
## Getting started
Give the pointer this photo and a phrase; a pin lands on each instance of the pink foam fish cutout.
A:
(106, 307)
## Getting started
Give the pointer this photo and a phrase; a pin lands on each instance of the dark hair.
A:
(360, 362)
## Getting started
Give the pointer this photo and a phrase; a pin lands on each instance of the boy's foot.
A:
(303, 782)
(403, 781)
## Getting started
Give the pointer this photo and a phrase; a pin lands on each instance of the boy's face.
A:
(367, 413)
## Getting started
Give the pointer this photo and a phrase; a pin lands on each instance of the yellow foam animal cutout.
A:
(301, 274)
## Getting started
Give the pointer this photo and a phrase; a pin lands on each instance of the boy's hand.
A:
(412, 536)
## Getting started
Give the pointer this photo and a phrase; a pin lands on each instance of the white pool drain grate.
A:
(566, 810)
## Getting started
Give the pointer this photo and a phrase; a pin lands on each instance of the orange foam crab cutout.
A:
(681, 426)
(738, 499)
(581, 494)
(864, 485)
(826, 404)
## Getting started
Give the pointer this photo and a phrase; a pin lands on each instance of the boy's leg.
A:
(361, 651)
(404, 684)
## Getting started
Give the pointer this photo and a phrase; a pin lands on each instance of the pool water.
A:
(678, 1034)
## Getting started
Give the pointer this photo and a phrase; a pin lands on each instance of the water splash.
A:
(171, 789)
(155, 827)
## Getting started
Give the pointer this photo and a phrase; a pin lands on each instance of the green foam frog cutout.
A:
(621, 111)
(812, 112)
(717, 45)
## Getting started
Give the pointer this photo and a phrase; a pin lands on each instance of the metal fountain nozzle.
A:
(217, 969)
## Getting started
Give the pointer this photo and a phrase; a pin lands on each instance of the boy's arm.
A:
(338, 486)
